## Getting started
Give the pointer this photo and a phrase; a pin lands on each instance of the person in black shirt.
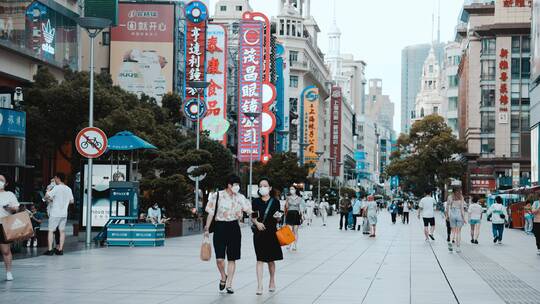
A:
(266, 210)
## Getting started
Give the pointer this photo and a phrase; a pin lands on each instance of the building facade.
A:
(412, 63)
(494, 95)
(450, 84)
(430, 99)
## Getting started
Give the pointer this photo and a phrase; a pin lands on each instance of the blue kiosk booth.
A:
(123, 229)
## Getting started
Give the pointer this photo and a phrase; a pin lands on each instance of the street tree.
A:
(428, 157)
(282, 169)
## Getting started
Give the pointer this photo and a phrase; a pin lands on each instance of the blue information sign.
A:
(191, 109)
(12, 123)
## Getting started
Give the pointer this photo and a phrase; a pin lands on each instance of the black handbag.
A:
(213, 224)
(254, 228)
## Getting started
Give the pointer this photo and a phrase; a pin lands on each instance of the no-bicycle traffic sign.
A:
(91, 142)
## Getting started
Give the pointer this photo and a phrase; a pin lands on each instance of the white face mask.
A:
(264, 191)
(235, 189)
(2, 184)
(293, 191)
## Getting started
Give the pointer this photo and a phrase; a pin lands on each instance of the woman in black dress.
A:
(267, 213)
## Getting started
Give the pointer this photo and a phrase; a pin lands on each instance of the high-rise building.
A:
(535, 93)
(452, 58)
(494, 94)
(412, 62)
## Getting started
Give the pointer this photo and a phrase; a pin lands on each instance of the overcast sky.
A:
(376, 31)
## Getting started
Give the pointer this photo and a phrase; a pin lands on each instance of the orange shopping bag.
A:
(206, 249)
(285, 236)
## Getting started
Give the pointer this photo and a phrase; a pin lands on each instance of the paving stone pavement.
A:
(331, 266)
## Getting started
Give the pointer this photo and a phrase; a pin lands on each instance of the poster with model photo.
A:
(142, 49)
(535, 35)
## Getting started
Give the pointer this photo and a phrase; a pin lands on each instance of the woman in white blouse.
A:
(227, 236)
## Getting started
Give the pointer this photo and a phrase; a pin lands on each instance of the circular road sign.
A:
(195, 178)
(91, 142)
(196, 11)
(191, 109)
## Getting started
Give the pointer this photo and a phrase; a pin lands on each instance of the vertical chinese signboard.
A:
(503, 86)
(142, 49)
(335, 130)
(310, 115)
(196, 13)
(517, 3)
(216, 122)
(250, 90)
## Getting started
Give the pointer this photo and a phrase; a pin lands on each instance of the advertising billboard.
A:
(535, 36)
(142, 49)
(215, 121)
(310, 124)
(250, 90)
(534, 155)
(335, 130)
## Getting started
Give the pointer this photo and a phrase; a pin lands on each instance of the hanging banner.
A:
(309, 126)
(504, 94)
(250, 90)
(196, 14)
(216, 122)
(335, 131)
(282, 107)
(142, 49)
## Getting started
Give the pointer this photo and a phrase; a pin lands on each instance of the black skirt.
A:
(267, 247)
(293, 218)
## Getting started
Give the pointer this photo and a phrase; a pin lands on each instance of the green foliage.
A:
(427, 157)
(282, 169)
(56, 111)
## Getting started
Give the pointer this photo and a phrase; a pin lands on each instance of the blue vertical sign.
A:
(282, 111)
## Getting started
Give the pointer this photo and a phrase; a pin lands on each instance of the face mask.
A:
(155, 207)
(2, 184)
(264, 191)
(293, 191)
(235, 189)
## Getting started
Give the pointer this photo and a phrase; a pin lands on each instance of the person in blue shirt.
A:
(393, 208)
(356, 209)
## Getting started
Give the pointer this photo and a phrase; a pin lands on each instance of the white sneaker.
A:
(458, 249)
(34, 243)
(538, 252)
(9, 276)
(28, 243)
(500, 243)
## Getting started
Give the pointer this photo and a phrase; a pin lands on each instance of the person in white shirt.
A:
(154, 214)
(323, 208)
(427, 211)
(499, 216)
(310, 206)
(8, 205)
(406, 210)
(356, 210)
(59, 199)
(227, 206)
(475, 217)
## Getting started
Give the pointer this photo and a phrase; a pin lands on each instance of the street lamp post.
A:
(93, 26)
(252, 116)
(319, 154)
(199, 86)
(339, 164)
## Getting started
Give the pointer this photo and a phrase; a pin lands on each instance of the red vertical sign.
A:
(250, 95)
(335, 131)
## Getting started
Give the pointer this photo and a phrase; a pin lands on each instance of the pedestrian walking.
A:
(372, 211)
(8, 205)
(356, 210)
(267, 248)
(456, 215)
(366, 228)
(323, 209)
(227, 239)
(535, 208)
(400, 209)
(528, 216)
(427, 212)
(498, 215)
(447, 221)
(406, 209)
(475, 219)
(393, 208)
(344, 209)
(59, 198)
(293, 213)
(310, 206)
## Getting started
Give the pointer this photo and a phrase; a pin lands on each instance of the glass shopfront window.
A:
(37, 30)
